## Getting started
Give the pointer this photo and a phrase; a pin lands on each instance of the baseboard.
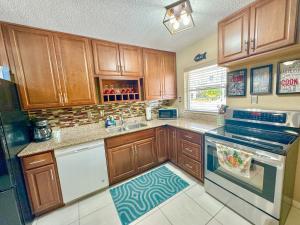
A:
(296, 204)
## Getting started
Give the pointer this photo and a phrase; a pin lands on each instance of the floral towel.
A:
(234, 160)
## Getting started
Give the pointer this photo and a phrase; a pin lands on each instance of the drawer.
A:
(191, 166)
(34, 161)
(191, 150)
(129, 138)
(190, 136)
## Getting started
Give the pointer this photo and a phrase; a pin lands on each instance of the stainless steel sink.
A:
(126, 127)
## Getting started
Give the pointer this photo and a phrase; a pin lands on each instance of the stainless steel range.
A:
(251, 163)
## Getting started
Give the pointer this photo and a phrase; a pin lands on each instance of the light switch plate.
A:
(254, 99)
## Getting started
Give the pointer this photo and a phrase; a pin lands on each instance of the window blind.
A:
(206, 88)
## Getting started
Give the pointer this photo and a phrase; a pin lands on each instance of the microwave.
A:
(167, 113)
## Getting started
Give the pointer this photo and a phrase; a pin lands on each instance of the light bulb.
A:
(176, 25)
(173, 20)
(185, 19)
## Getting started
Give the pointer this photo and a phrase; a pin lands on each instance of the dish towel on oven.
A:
(234, 160)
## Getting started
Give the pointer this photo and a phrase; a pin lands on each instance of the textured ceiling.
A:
(136, 22)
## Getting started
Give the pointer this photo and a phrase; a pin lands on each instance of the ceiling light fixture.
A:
(178, 16)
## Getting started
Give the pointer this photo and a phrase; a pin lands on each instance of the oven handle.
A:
(257, 155)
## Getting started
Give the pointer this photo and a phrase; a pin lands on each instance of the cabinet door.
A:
(106, 58)
(152, 73)
(36, 68)
(162, 144)
(172, 144)
(234, 37)
(121, 163)
(131, 60)
(169, 76)
(145, 154)
(273, 24)
(3, 54)
(75, 64)
(43, 189)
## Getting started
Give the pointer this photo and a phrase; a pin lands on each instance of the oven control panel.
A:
(271, 117)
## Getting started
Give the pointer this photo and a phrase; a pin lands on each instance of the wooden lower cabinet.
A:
(145, 153)
(42, 182)
(162, 144)
(121, 162)
(172, 144)
(130, 154)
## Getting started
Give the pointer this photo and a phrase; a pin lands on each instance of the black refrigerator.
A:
(14, 136)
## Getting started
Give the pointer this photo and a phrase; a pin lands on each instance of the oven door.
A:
(262, 189)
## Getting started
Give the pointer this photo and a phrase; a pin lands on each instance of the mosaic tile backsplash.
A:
(81, 115)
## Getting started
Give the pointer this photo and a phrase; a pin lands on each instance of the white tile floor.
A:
(192, 206)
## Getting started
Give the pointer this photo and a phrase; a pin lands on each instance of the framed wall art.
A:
(237, 83)
(261, 80)
(288, 77)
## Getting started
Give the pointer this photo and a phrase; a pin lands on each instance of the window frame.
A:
(187, 107)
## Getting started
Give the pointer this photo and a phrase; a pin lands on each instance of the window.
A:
(206, 88)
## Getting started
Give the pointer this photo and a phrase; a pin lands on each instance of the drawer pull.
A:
(51, 173)
(188, 149)
(189, 166)
(187, 136)
(36, 162)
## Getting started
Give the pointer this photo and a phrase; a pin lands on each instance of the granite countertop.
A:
(92, 132)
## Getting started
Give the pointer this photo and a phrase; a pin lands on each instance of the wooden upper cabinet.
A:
(152, 73)
(106, 58)
(234, 36)
(36, 68)
(131, 60)
(43, 189)
(273, 24)
(3, 53)
(169, 71)
(145, 152)
(75, 66)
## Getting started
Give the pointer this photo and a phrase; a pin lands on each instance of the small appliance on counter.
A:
(41, 130)
(168, 113)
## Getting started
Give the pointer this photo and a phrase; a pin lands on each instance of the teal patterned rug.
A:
(138, 196)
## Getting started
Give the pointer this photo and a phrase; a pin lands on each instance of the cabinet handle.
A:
(246, 46)
(61, 98)
(188, 166)
(36, 162)
(65, 97)
(51, 173)
(188, 149)
(189, 137)
(253, 43)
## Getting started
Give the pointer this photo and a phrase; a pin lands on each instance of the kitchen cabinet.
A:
(162, 144)
(36, 68)
(146, 156)
(52, 70)
(42, 182)
(130, 154)
(190, 153)
(273, 24)
(131, 60)
(172, 144)
(75, 67)
(261, 27)
(112, 59)
(234, 36)
(3, 53)
(121, 162)
(160, 74)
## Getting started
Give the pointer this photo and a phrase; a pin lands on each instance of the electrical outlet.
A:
(89, 114)
(254, 99)
(101, 113)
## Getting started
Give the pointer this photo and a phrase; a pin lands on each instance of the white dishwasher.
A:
(82, 169)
